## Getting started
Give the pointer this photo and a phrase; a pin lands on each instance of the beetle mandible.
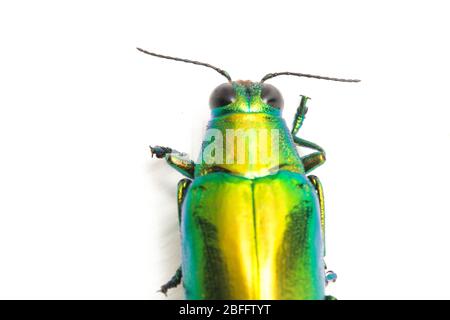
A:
(250, 229)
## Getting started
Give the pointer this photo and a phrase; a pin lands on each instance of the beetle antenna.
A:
(287, 73)
(222, 72)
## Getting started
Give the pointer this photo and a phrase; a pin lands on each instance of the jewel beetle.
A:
(252, 225)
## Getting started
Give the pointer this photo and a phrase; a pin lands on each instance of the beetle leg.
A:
(330, 276)
(183, 185)
(173, 282)
(313, 160)
(175, 159)
(300, 115)
(185, 166)
(319, 190)
(160, 151)
(307, 144)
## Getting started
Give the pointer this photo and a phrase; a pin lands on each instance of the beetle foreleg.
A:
(160, 152)
(177, 160)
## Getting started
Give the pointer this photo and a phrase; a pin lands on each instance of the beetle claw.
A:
(159, 151)
(163, 291)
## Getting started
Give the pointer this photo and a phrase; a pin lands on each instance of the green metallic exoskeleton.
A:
(252, 221)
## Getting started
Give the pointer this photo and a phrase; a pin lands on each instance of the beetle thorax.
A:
(248, 144)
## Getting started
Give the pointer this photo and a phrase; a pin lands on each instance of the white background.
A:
(85, 213)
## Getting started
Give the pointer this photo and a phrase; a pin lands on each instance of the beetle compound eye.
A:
(221, 96)
(272, 96)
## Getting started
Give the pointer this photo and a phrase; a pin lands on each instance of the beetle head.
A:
(245, 96)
